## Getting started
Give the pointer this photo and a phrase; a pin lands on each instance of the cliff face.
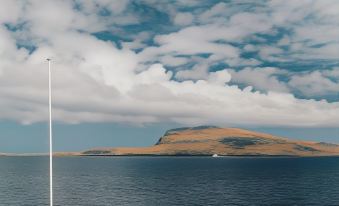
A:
(209, 140)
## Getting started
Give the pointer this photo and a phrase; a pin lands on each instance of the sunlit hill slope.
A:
(209, 140)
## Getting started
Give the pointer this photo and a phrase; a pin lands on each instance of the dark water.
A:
(170, 181)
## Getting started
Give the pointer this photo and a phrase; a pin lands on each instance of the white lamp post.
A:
(50, 133)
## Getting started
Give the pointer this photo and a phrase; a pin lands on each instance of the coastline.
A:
(163, 155)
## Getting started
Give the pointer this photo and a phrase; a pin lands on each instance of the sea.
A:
(168, 181)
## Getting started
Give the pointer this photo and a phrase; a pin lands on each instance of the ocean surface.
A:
(167, 181)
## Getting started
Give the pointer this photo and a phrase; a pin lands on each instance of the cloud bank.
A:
(268, 63)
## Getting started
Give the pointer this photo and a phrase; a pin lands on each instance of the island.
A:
(217, 141)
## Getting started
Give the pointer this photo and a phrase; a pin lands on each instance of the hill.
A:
(209, 140)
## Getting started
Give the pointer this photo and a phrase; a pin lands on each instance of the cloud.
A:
(312, 84)
(173, 61)
(194, 40)
(236, 62)
(155, 74)
(316, 83)
(167, 73)
(183, 19)
(219, 77)
(250, 48)
(10, 11)
(264, 79)
(217, 10)
(313, 26)
(270, 53)
(199, 71)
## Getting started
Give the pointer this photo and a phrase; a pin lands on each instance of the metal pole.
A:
(50, 133)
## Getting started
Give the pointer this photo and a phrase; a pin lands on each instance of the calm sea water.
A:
(163, 181)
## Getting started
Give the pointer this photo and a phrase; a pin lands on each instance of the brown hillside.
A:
(209, 140)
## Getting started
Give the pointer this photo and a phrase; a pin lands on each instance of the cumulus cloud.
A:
(311, 84)
(264, 79)
(183, 19)
(199, 71)
(214, 12)
(10, 11)
(316, 83)
(163, 75)
(219, 77)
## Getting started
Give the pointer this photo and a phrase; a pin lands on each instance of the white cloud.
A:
(316, 83)
(183, 19)
(249, 23)
(250, 48)
(269, 53)
(313, 26)
(10, 11)
(173, 61)
(155, 74)
(216, 10)
(285, 41)
(199, 71)
(264, 79)
(333, 73)
(93, 81)
(195, 40)
(115, 9)
(219, 77)
(242, 62)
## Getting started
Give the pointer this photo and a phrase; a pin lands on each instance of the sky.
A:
(124, 71)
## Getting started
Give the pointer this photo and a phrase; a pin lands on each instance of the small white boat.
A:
(215, 155)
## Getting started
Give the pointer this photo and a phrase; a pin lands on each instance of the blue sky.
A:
(124, 71)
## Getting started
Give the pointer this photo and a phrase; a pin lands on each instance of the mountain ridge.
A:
(209, 140)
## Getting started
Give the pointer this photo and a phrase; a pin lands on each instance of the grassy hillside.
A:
(209, 140)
